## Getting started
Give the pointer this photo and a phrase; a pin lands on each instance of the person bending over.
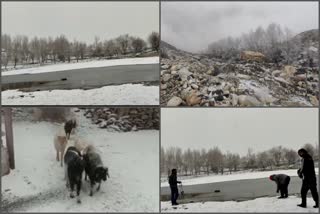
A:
(282, 182)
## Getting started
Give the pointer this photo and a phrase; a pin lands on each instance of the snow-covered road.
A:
(37, 185)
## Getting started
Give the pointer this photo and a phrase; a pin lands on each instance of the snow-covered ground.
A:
(80, 65)
(126, 94)
(233, 177)
(266, 205)
(37, 185)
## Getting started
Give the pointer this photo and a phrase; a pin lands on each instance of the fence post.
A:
(9, 136)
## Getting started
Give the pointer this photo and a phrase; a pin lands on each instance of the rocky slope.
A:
(198, 80)
(124, 119)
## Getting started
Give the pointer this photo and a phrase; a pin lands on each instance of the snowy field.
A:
(126, 94)
(37, 185)
(79, 65)
(233, 177)
(266, 205)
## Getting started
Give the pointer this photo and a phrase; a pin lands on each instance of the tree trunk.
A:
(9, 136)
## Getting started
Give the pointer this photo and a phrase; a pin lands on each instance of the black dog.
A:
(68, 126)
(94, 168)
(74, 166)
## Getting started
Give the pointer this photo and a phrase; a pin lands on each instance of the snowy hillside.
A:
(189, 79)
(37, 185)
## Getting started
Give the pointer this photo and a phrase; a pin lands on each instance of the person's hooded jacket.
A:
(307, 171)
(279, 179)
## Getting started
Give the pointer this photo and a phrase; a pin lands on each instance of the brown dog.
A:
(60, 143)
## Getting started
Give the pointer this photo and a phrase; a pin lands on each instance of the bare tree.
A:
(196, 158)
(82, 50)
(62, 48)
(110, 48)
(178, 158)
(251, 162)
(216, 160)
(205, 161)
(138, 44)
(123, 42)
(17, 47)
(262, 160)
(97, 47)
(76, 50)
(6, 49)
(44, 50)
(170, 158)
(25, 49)
(310, 148)
(277, 155)
(187, 160)
(291, 156)
(154, 41)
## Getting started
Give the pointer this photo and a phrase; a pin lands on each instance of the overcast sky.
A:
(191, 26)
(237, 129)
(80, 20)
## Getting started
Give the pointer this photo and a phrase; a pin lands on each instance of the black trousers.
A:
(174, 195)
(309, 184)
(284, 188)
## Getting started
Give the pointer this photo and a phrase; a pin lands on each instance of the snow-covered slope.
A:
(126, 94)
(266, 205)
(37, 185)
(80, 65)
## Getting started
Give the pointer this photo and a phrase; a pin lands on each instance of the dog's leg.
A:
(98, 188)
(71, 189)
(91, 188)
(78, 191)
(66, 177)
(57, 157)
(85, 176)
(61, 158)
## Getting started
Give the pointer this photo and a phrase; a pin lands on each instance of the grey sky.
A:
(237, 129)
(80, 20)
(191, 26)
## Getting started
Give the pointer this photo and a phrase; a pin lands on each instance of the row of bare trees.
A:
(273, 41)
(23, 50)
(195, 162)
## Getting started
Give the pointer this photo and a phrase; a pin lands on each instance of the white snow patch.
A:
(314, 49)
(265, 205)
(132, 159)
(234, 177)
(126, 94)
(80, 65)
(254, 86)
(301, 100)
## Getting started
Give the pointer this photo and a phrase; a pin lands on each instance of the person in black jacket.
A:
(174, 186)
(282, 182)
(309, 180)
